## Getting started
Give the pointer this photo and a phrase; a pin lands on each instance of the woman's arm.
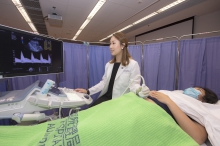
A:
(135, 70)
(98, 87)
(192, 128)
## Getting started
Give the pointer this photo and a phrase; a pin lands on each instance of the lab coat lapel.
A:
(120, 70)
(109, 72)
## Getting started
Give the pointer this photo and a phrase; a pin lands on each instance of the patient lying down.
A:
(191, 127)
(125, 121)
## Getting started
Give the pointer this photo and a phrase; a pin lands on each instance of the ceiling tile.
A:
(107, 9)
(47, 7)
(138, 6)
(14, 13)
(58, 1)
(117, 1)
(76, 21)
(83, 4)
(9, 2)
(54, 31)
(92, 24)
(73, 12)
(103, 27)
(121, 14)
(9, 18)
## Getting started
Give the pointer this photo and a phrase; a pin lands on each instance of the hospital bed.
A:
(127, 120)
(26, 105)
(123, 121)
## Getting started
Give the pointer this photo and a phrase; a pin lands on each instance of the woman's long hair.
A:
(125, 54)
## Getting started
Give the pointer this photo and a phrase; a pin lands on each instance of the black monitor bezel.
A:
(38, 35)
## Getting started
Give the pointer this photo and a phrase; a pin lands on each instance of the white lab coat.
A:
(124, 76)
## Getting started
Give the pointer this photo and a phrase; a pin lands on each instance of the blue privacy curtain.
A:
(75, 69)
(98, 57)
(160, 65)
(19, 83)
(43, 78)
(3, 87)
(212, 61)
(200, 63)
(75, 66)
(136, 53)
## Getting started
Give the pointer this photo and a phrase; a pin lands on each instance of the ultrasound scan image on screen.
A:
(23, 53)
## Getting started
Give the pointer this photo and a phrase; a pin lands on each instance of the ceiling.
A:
(113, 16)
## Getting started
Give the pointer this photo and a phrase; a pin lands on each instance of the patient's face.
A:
(202, 93)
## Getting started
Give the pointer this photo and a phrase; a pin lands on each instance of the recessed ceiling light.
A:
(21, 9)
(90, 16)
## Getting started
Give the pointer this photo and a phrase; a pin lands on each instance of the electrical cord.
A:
(49, 118)
(70, 111)
(133, 81)
(60, 112)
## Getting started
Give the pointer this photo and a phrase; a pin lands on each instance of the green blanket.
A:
(125, 121)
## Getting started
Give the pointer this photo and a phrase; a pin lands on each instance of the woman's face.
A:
(115, 46)
(202, 93)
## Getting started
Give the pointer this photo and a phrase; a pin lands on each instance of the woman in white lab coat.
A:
(119, 73)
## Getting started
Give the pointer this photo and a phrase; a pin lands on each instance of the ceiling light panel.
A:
(84, 24)
(126, 27)
(21, 9)
(96, 8)
(145, 18)
(170, 6)
(90, 16)
(107, 10)
(78, 32)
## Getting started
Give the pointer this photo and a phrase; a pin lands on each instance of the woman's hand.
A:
(160, 97)
(81, 90)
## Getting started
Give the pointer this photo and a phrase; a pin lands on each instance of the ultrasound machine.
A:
(26, 105)
(21, 54)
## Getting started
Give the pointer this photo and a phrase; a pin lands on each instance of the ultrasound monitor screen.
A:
(23, 53)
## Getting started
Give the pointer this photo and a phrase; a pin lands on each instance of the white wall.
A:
(203, 23)
(208, 22)
(174, 30)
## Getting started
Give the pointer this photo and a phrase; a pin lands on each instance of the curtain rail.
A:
(135, 42)
(199, 34)
(159, 39)
(98, 42)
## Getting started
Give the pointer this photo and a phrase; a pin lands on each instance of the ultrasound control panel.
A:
(30, 100)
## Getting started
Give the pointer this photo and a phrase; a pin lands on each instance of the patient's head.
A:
(207, 95)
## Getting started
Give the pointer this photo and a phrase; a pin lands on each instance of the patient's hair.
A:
(210, 96)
